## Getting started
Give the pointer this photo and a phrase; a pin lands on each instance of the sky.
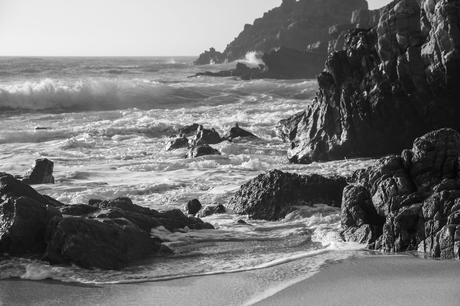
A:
(125, 27)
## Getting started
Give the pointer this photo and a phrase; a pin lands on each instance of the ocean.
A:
(105, 123)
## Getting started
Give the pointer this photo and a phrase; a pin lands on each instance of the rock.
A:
(206, 137)
(42, 173)
(210, 210)
(210, 57)
(202, 150)
(237, 132)
(286, 129)
(106, 244)
(189, 130)
(273, 195)
(23, 223)
(241, 222)
(408, 202)
(193, 207)
(294, 25)
(78, 210)
(177, 143)
(386, 86)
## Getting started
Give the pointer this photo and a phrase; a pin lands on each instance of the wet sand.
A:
(377, 280)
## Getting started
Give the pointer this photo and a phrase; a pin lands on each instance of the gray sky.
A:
(125, 27)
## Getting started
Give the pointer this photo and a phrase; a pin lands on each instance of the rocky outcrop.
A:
(202, 150)
(178, 142)
(101, 234)
(206, 137)
(386, 86)
(210, 57)
(41, 173)
(273, 195)
(409, 202)
(294, 25)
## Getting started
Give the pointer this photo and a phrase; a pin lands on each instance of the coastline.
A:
(400, 279)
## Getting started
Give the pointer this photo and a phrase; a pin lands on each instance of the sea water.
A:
(105, 123)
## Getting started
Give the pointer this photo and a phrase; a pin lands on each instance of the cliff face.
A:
(385, 86)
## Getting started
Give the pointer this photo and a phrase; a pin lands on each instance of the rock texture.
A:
(386, 86)
(409, 202)
(101, 234)
(41, 173)
(210, 57)
(273, 195)
(237, 132)
(202, 150)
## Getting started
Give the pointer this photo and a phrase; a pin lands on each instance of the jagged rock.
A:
(202, 150)
(286, 129)
(210, 210)
(273, 195)
(193, 207)
(23, 223)
(206, 137)
(177, 143)
(189, 130)
(237, 132)
(41, 173)
(104, 244)
(78, 210)
(414, 199)
(386, 86)
(210, 57)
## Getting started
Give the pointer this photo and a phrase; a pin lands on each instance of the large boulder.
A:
(175, 143)
(41, 173)
(409, 202)
(206, 137)
(386, 86)
(23, 223)
(272, 195)
(104, 244)
(193, 207)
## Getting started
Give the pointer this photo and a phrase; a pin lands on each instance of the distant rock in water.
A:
(385, 86)
(409, 202)
(210, 210)
(41, 173)
(273, 195)
(103, 234)
(237, 132)
(193, 207)
(177, 143)
(210, 57)
(294, 25)
(202, 150)
(206, 137)
(189, 130)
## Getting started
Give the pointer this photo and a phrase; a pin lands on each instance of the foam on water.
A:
(106, 133)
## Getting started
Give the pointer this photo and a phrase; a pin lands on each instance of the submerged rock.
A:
(202, 150)
(41, 173)
(409, 202)
(210, 210)
(273, 195)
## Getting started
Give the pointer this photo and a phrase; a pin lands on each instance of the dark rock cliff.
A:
(387, 85)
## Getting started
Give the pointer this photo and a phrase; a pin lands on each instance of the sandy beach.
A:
(384, 280)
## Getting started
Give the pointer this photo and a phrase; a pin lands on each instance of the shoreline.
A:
(380, 278)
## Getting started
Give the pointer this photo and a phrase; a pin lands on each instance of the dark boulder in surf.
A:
(176, 143)
(41, 173)
(202, 150)
(237, 132)
(103, 244)
(271, 196)
(409, 202)
(189, 130)
(206, 137)
(193, 207)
